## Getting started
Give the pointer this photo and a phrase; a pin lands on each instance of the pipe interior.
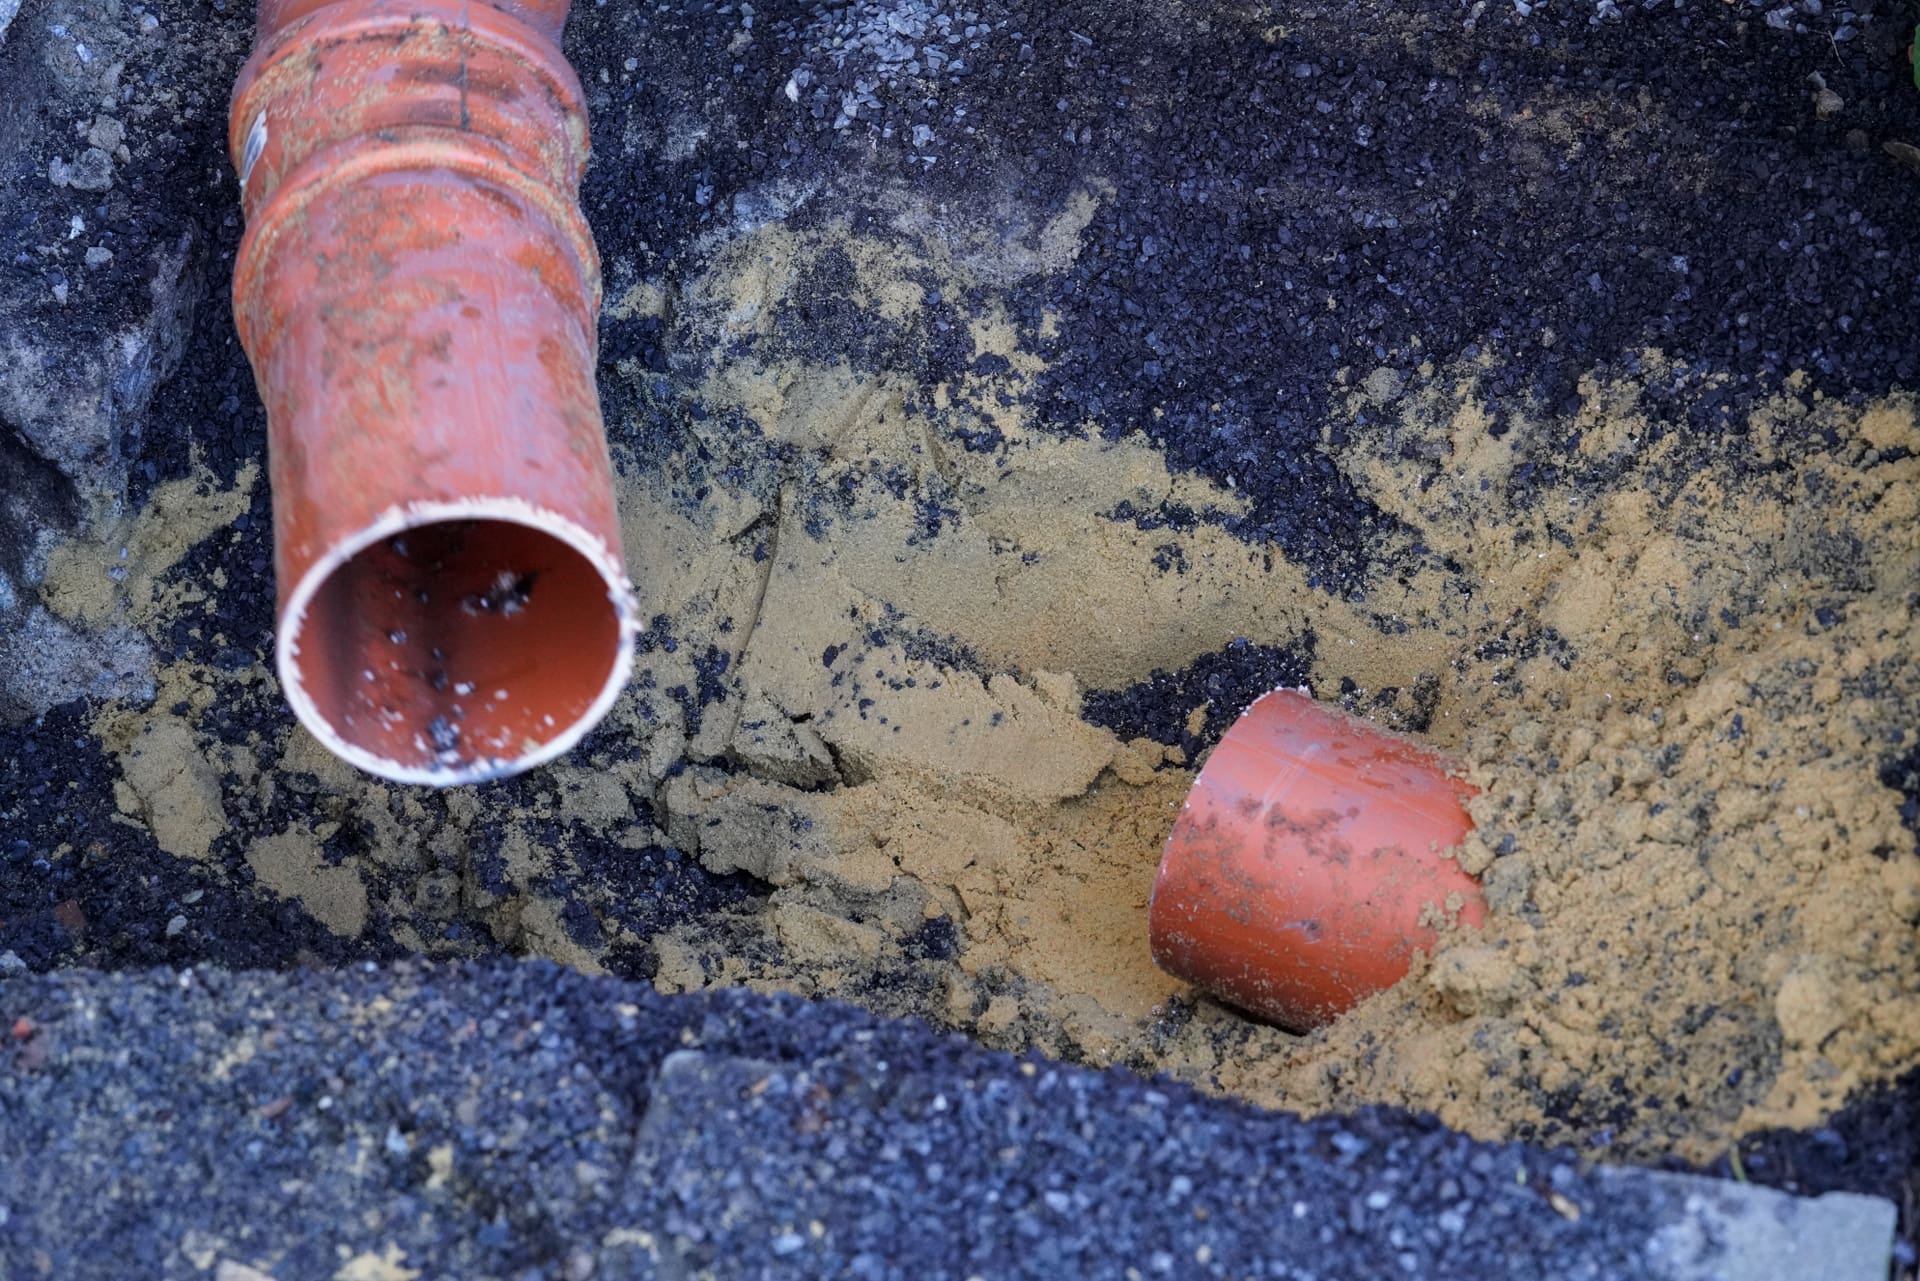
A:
(459, 645)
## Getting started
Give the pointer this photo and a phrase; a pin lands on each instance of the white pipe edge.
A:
(398, 520)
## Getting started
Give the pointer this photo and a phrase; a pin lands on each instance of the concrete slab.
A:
(1720, 1231)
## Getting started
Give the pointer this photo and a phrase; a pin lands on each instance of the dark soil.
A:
(1226, 682)
(1720, 221)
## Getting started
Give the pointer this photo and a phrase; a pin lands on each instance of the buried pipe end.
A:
(1308, 864)
(456, 642)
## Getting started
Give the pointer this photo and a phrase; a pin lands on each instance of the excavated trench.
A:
(973, 481)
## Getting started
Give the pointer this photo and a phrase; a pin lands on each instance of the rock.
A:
(1826, 102)
(1905, 152)
(1711, 1229)
(45, 662)
(1383, 386)
(91, 170)
(108, 134)
(78, 402)
(90, 325)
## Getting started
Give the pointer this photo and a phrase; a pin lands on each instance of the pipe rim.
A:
(397, 520)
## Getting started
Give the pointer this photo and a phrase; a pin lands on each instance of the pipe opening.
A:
(456, 650)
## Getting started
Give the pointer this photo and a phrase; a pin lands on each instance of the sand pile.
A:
(1676, 671)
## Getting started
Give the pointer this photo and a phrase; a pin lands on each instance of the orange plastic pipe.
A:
(418, 293)
(1305, 868)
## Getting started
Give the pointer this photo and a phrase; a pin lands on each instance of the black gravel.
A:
(495, 1122)
(769, 1171)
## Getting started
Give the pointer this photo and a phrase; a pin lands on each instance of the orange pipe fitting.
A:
(1305, 868)
(419, 295)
